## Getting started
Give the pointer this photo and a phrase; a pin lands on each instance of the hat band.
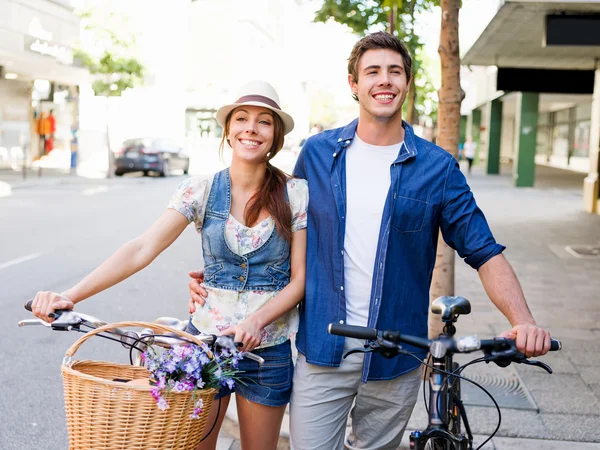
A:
(258, 98)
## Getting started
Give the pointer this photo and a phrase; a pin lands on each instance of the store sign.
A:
(37, 30)
(61, 53)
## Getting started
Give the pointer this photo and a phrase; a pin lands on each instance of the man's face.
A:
(382, 83)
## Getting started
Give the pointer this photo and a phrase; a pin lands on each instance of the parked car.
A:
(151, 155)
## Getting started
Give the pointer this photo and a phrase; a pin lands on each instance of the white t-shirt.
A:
(367, 184)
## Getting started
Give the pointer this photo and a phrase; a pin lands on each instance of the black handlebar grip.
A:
(555, 345)
(53, 315)
(352, 331)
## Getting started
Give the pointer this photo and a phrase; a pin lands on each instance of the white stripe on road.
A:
(19, 260)
(96, 190)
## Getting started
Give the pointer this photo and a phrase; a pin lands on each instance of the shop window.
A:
(582, 139)
(544, 119)
(583, 112)
(562, 116)
(560, 146)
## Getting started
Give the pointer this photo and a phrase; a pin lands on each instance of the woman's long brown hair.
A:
(271, 195)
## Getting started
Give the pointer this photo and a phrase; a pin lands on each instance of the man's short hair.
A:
(378, 40)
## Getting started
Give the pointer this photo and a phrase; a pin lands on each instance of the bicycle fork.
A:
(437, 430)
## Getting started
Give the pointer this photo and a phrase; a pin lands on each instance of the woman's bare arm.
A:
(127, 260)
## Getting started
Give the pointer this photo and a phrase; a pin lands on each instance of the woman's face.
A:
(251, 131)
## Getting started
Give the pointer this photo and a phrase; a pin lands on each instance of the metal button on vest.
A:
(243, 265)
(241, 278)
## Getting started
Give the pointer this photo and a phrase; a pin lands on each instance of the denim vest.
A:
(264, 269)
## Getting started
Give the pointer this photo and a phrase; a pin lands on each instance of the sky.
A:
(319, 55)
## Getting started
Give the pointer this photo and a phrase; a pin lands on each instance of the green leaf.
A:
(115, 68)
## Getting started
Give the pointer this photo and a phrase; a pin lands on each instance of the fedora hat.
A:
(257, 93)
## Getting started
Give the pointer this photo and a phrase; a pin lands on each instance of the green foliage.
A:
(361, 16)
(368, 16)
(109, 53)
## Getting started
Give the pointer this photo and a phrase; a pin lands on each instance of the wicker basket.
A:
(103, 414)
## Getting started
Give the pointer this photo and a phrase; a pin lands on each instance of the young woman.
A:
(252, 222)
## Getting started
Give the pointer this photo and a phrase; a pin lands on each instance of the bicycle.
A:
(446, 412)
(172, 332)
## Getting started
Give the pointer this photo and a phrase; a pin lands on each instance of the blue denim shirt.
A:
(265, 269)
(428, 192)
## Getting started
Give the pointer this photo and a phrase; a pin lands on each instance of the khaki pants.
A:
(322, 397)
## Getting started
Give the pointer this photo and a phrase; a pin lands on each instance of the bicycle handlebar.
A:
(67, 319)
(466, 344)
(352, 331)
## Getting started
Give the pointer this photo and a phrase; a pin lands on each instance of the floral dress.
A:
(226, 308)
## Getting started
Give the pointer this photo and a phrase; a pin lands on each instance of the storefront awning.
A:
(34, 67)
(515, 38)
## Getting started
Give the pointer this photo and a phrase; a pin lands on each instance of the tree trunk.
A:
(411, 98)
(411, 111)
(450, 96)
(392, 17)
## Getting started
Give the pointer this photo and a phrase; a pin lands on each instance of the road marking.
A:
(19, 260)
(96, 190)
(5, 190)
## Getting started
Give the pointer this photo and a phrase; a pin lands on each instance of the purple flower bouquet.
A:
(190, 368)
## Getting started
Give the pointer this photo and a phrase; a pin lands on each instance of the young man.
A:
(378, 196)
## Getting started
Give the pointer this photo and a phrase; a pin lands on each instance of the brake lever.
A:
(534, 362)
(503, 359)
(358, 350)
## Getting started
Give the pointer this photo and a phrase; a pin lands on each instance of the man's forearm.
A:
(503, 288)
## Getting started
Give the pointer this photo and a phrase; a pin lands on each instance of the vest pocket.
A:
(278, 275)
(409, 211)
(211, 271)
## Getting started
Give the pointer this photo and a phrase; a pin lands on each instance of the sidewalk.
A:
(563, 291)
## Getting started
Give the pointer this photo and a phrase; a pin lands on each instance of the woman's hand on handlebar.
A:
(247, 332)
(46, 303)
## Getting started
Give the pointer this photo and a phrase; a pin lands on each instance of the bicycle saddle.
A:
(450, 307)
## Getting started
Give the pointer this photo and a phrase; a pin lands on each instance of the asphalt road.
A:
(50, 237)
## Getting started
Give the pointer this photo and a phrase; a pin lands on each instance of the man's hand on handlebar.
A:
(197, 292)
(46, 303)
(531, 340)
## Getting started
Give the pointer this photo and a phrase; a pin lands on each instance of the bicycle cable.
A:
(424, 384)
(141, 338)
(457, 371)
(472, 382)
(105, 337)
(215, 422)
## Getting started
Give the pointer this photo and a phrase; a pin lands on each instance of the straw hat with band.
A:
(257, 93)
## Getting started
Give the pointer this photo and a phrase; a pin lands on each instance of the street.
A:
(66, 230)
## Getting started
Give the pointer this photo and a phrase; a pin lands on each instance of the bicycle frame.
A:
(445, 407)
(446, 410)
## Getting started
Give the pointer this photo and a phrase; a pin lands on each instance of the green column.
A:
(495, 127)
(526, 120)
(476, 132)
(463, 129)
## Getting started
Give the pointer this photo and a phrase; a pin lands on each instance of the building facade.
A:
(533, 90)
(37, 74)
